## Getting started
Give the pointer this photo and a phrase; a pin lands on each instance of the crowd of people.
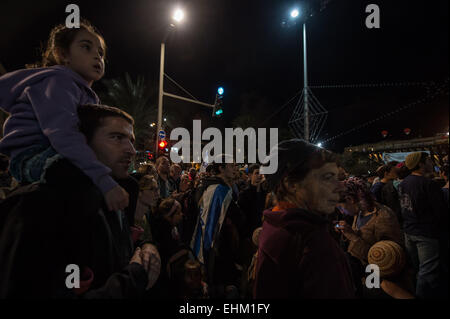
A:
(175, 231)
(307, 231)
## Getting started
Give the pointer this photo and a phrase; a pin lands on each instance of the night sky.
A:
(244, 47)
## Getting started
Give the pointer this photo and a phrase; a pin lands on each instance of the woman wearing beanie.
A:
(297, 257)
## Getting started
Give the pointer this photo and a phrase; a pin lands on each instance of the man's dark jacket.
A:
(252, 201)
(424, 210)
(45, 227)
(390, 198)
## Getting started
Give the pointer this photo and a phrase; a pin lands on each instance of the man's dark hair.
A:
(402, 172)
(423, 159)
(253, 168)
(391, 165)
(159, 160)
(92, 115)
(386, 169)
(380, 171)
(215, 167)
(209, 168)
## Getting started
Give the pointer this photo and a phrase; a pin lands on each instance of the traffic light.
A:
(162, 145)
(218, 104)
(149, 155)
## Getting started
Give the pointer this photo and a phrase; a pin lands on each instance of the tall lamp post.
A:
(294, 14)
(177, 16)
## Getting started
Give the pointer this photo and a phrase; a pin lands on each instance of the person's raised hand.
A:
(116, 199)
(346, 229)
(151, 262)
(137, 257)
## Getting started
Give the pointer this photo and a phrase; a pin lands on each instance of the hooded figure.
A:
(297, 256)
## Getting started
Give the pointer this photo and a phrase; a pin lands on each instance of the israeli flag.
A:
(213, 206)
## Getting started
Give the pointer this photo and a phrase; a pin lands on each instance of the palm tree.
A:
(134, 98)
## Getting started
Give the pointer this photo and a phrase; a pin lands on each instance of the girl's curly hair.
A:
(358, 189)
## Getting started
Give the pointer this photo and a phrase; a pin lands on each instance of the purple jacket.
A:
(43, 105)
(309, 266)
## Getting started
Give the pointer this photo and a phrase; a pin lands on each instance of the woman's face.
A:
(348, 207)
(319, 191)
(150, 196)
(185, 183)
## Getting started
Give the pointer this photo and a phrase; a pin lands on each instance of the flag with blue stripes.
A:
(213, 206)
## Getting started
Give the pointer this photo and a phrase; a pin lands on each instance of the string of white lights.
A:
(371, 85)
(442, 89)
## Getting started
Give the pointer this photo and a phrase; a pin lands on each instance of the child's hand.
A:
(116, 199)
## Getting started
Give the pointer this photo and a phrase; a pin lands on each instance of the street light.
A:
(177, 16)
(294, 14)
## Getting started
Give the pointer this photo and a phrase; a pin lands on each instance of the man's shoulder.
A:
(248, 189)
(221, 190)
(292, 222)
(412, 180)
(378, 185)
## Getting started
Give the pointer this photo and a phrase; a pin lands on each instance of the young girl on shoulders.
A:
(42, 102)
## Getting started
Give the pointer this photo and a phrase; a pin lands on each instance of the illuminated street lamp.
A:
(295, 13)
(177, 16)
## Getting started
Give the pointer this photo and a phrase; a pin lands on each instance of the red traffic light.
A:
(162, 144)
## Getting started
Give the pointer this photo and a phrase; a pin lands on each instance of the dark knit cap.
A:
(291, 154)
